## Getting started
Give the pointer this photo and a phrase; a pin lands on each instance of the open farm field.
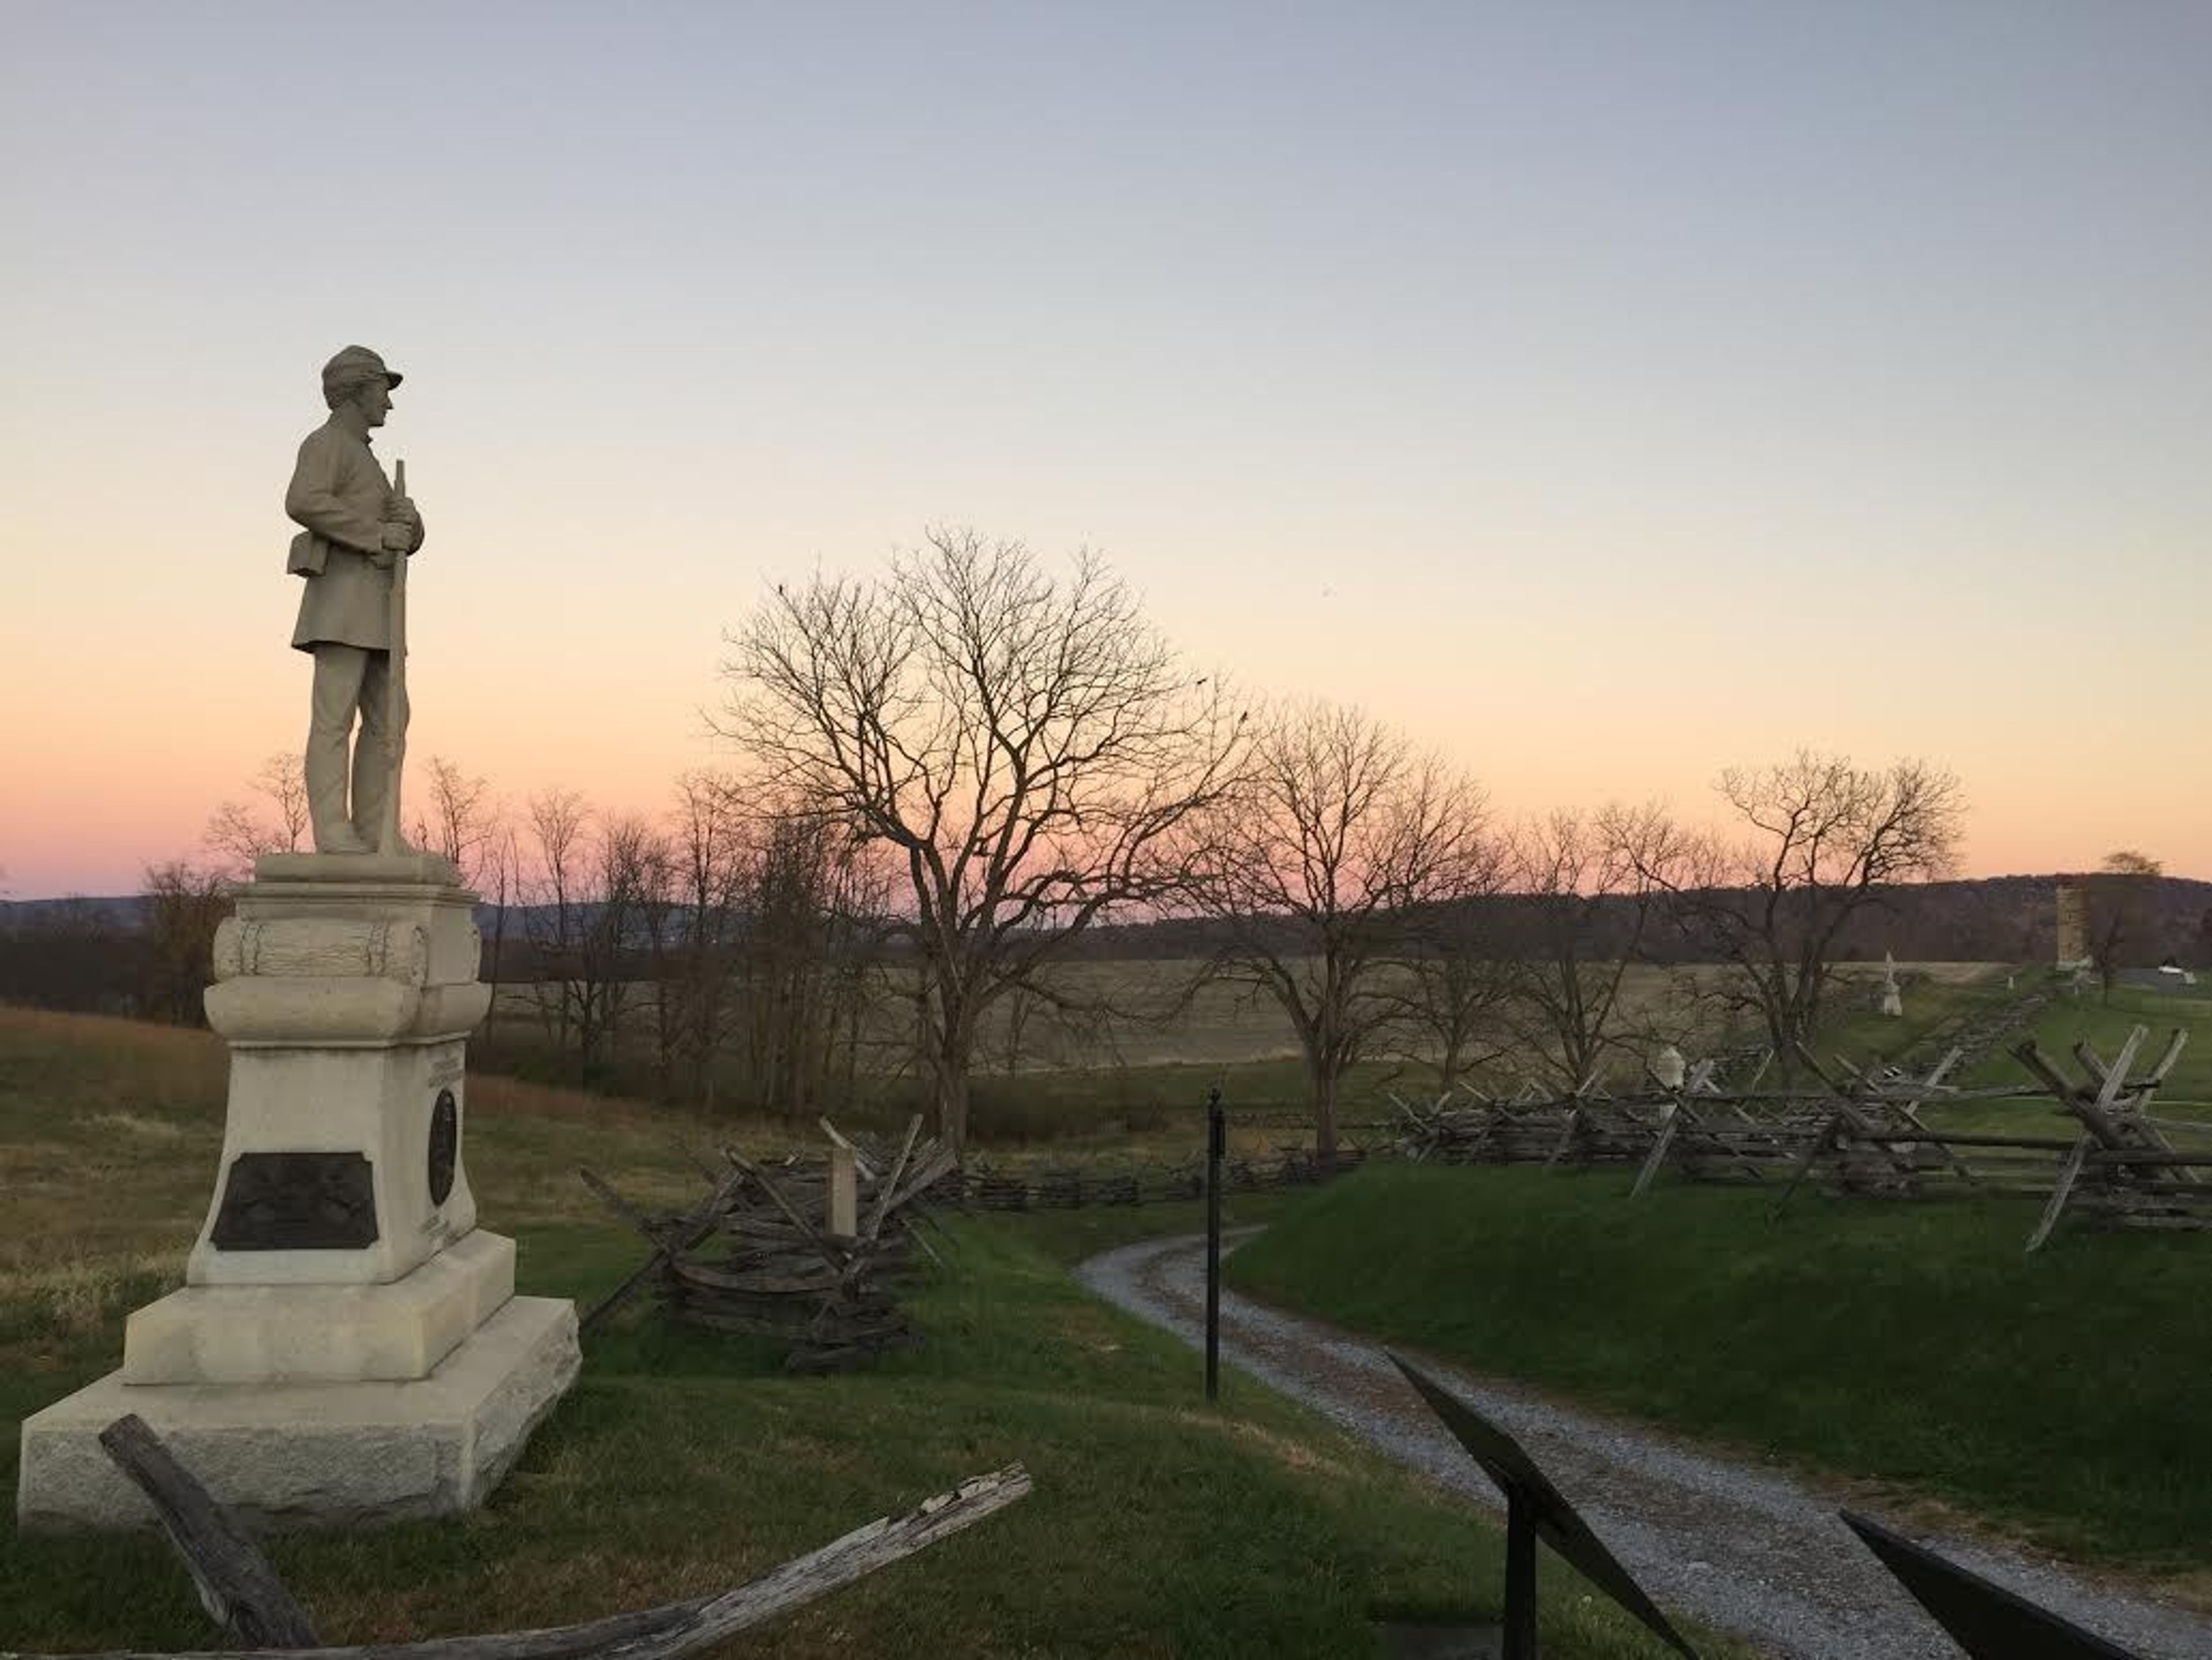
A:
(1135, 1013)
(1155, 1109)
(1130, 1019)
(682, 1463)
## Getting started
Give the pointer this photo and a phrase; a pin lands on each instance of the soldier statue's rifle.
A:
(395, 687)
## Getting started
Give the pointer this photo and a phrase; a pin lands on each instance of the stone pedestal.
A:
(348, 1344)
(298, 1454)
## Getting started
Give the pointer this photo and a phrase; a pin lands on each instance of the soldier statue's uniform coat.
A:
(339, 493)
(354, 528)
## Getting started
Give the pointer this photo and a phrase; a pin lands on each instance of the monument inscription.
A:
(297, 1201)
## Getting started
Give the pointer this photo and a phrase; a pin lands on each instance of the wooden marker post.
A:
(395, 691)
(1216, 1145)
(843, 1215)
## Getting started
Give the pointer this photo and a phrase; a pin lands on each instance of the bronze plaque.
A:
(445, 1145)
(297, 1201)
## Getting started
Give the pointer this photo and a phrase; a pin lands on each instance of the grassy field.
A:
(1223, 1024)
(1911, 1345)
(1147, 1068)
(2105, 1023)
(1906, 1344)
(682, 1464)
(1937, 996)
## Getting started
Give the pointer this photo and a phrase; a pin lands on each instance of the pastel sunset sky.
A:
(1605, 394)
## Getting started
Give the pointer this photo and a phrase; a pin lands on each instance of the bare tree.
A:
(1584, 889)
(186, 904)
(73, 953)
(857, 927)
(500, 873)
(624, 856)
(694, 915)
(814, 910)
(1824, 841)
(2122, 900)
(1452, 997)
(659, 924)
(582, 909)
(1026, 745)
(463, 818)
(238, 832)
(1020, 1005)
(556, 900)
(1317, 869)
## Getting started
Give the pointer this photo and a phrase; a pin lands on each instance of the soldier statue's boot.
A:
(326, 803)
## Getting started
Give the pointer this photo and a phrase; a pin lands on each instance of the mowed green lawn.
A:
(2104, 1023)
(684, 1462)
(1908, 1343)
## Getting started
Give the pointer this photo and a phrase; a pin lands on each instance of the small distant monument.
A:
(1893, 1000)
(348, 1346)
(2071, 904)
(1669, 1069)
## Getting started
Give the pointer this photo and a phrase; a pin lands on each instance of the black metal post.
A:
(1217, 1144)
(1520, 1642)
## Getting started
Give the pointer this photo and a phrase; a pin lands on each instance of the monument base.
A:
(393, 1334)
(295, 1455)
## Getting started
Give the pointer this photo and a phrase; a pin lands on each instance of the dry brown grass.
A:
(1286, 1450)
(111, 1134)
(1167, 1012)
(491, 1094)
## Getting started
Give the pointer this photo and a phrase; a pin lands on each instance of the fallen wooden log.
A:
(676, 1629)
(239, 1590)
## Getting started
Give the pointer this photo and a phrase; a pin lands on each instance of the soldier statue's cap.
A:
(354, 361)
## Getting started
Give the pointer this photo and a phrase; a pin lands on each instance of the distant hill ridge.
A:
(2003, 919)
(1988, 919)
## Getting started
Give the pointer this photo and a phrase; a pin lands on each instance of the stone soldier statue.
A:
(355, 529)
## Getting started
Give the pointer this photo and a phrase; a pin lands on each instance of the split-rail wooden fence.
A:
(1863, 1131)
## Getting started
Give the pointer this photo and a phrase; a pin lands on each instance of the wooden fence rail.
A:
(1861, 1131)
(244, 1596)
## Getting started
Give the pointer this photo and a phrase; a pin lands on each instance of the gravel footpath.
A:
(1748, 1550)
